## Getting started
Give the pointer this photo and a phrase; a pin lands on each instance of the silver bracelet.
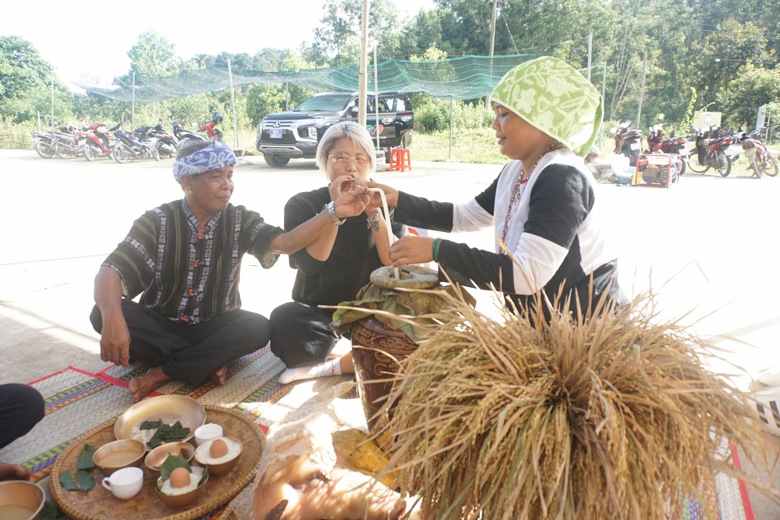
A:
(332, 213)
(373, 222)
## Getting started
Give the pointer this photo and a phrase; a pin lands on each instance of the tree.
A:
(721, 54)
(339, 32)
(26, 84)
(751, 87)
(267, 99)
(153, 56)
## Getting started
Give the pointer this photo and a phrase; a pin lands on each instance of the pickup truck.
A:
(296, 134)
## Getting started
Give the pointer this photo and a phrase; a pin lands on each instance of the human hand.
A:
(13, 472)
(411, 250)
(353, 200)
(115, 340)
(340, 184)
(391, 194)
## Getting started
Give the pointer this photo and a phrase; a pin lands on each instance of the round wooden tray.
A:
(99, 504)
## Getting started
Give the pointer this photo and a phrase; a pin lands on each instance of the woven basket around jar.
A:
(99, 504)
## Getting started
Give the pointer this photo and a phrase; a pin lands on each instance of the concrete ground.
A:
(707, 248)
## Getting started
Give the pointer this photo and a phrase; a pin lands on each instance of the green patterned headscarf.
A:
(556, 99)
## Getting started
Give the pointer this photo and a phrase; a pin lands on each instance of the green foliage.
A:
(473, 146)
(751, 87)
(678, 41)
(720, 55)
(687, 122)
(337, 38)
(433, 115)
(262, 100)
(27, 84)
(153, 56)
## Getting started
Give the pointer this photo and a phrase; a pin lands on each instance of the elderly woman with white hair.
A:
(543, 205)
(337, 265)
(184, 258)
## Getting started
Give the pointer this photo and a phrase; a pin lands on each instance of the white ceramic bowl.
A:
(207, 432)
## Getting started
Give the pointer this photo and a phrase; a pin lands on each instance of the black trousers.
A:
(189, 353)
(21, 407)
(301, 334)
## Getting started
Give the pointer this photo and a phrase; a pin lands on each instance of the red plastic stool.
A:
(400, 159)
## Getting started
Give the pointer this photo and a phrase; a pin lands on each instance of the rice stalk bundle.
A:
(521, 417)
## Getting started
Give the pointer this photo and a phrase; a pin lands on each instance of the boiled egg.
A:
(180, 478)
(217, 451)
(181, 481)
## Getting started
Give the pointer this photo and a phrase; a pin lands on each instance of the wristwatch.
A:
(331, 208)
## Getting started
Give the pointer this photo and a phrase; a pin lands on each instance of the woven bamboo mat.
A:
(75, 402)
(78, 401)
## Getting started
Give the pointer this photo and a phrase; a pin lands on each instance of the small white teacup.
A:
(125, 483)
(207, 432)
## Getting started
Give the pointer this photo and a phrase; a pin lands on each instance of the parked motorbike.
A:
(183, 134)
(670, 145)
(97, 142)
(711, 153)
(166, 143)
(211, 127)
(42, 142)
(135, 145)
(69, 142)
(760, 159)
(628, 142)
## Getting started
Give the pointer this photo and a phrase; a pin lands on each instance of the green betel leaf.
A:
(171, 463)
(85, 458)
(204, 475)
(67, 482)
(84, 480)
(50, 511)
(150, 425)
(167, 433)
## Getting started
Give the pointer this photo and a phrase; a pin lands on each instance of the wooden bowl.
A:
(168, 408)
(19, 497)
(185, 500)
(155, 458)
(118, 454)
(220, 468)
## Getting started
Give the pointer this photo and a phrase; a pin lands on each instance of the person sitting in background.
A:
(21, 408)
(543, 205)
(333, 268)
(184, 259)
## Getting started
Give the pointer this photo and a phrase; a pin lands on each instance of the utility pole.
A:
(590, 50)
(363, 79)
(641, 91)
(492, 46)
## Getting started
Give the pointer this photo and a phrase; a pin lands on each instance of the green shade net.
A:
(468, 77)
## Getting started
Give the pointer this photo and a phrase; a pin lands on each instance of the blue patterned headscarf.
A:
(215, 156)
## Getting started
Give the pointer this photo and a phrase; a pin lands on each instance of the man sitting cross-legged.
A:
(184, 259)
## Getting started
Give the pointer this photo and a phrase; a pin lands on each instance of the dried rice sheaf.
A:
(518, 417)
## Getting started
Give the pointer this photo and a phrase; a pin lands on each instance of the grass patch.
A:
(468, 146)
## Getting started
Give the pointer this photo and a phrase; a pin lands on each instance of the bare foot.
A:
(220, 375)
(143, 385)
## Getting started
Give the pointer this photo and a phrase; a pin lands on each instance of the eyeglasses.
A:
(342, 159)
